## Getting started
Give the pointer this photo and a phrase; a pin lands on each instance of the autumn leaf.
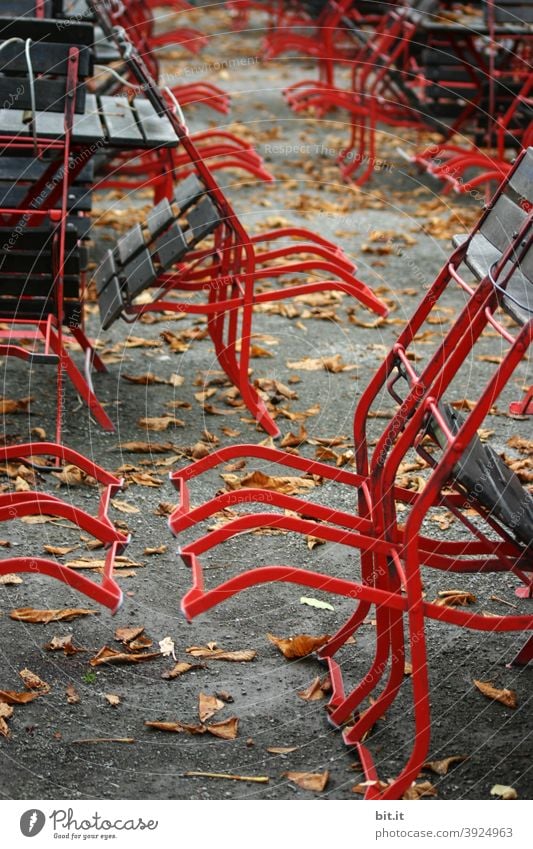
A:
(10, 697)
(441, 767)
(504, 792)
(6, 712)
(420, 790)
(208, 706)
(505, 697)
(147, 379)
(124, 506)
(109, 655)
(73, 697)
(281, 750)
(113, 700)
(212, 652)
(455, 598)
(316, 690)
(71, 475)
(258, 480)
(8, 405)
(63, 644)
(226, 730)
(129, 634)
(159, 550)
(145, 479)
(315, 602)
(298, 646)
(159, 423)
(59, 550)
(10, 580)
(332, 364)
(315, 781)
(180, 669)
(33, 682)
(33, 616)
(146, 447)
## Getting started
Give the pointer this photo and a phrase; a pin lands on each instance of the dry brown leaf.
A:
(258, 480)
(281, 750)
(109, 655)
(226, 730)
(315, 781)
(33, 616)
(128, 635)
(10, 580)
(146, 447)
(59, 550)
(505, 697)
(212, 652)
(208, 706)
(332, 364)
(455, 598)
(73, 476)
(113, 700)
(441, 767)
(521, 444)
(33, 682)
(124, 506)
(6, 712)
(504, 792)
(7, 405)
(73, 697)
(147, 379)
(11, 697)
(63, 644)
(420, 790)
(145, 479)
(298, 646)
(159, 550)
(159, 423)
(180, 668)
(316, 690)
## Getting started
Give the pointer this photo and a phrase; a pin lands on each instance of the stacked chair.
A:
(166, 257)
(493, 513)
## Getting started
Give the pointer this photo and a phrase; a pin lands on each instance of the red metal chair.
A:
(17, 505)
(168, 257)
(463, 476)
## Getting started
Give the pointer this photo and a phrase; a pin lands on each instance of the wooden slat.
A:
(46, 58)
(120, 122)
(157, 130)
(522, 179)
(503, 222)
(41, 30)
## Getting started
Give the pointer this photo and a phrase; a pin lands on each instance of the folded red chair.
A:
(35, 503)
(492, 511)
(167, 257)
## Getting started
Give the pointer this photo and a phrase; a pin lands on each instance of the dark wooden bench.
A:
(142, 255)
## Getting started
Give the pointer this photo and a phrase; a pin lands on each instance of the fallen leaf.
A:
(208, 706)
(113, 700)
(506, 697)
(63, 644)
(109, 655)
(146, 447)
(316, 690)
(226, 730)
(239, 656)
(420, 790)
(159, 423)
(281, 750)
(10, 580)
(147, 379)
(441, 767)
(124, 506)
(180, 668)
(10, 697)
(71, 475)
(315, 781)
(298, 646)
(73, 697)
(504, 792)
(258, 480)
(315, 602)
(455, 598)
(129, 634)
(33, 616)
(33, 682)
(59, 550)
(159, 550)
(6, 712)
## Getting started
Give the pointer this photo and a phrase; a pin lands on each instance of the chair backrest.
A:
(29, 273)
(500, 251)
(34, 68)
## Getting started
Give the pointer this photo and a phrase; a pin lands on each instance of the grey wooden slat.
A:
(157, 129)
(120, 122)
(522, 179)
(88, 127)
(502, 222)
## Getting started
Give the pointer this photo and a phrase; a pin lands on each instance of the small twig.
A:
(105, 740)
(503, 601)
(257, 779)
